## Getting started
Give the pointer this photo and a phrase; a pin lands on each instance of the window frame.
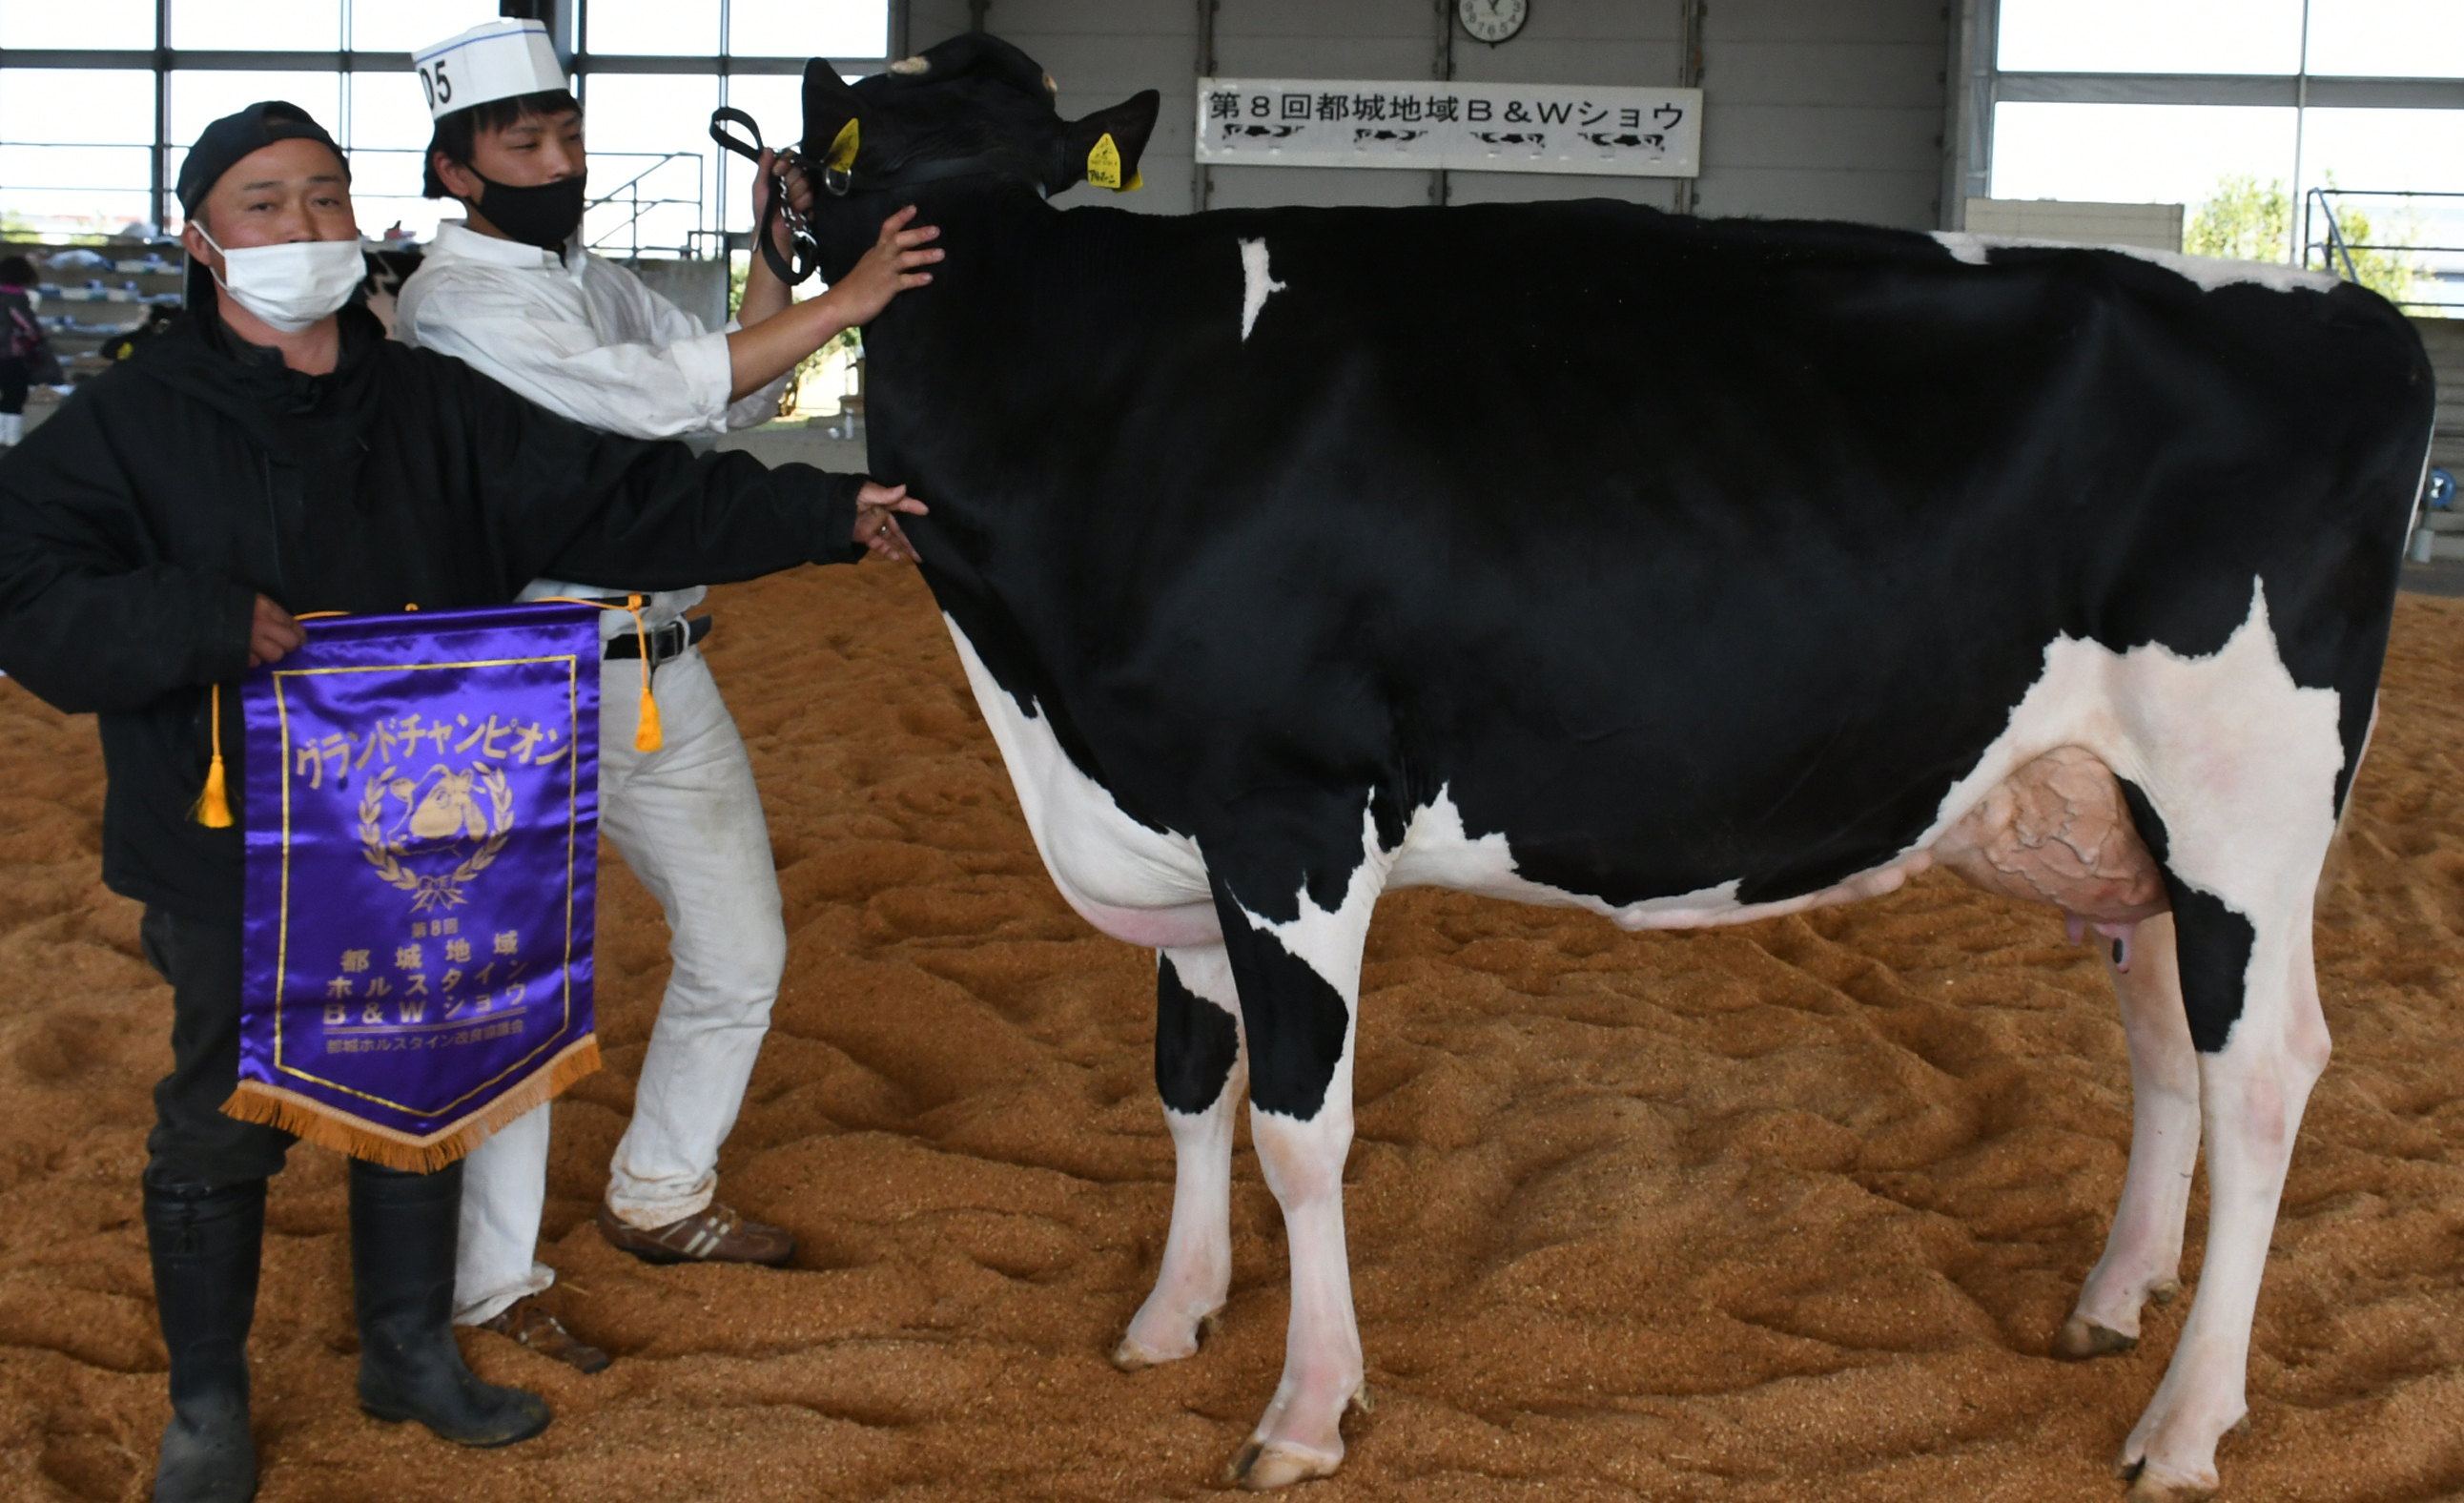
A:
(1977, 41)
(572, 24)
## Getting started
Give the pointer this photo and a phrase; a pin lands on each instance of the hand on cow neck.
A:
(768, 345)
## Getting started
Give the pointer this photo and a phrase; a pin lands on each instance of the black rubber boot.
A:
(403, 1230)
(204, 1241)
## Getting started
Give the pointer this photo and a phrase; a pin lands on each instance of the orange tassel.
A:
(213, 805)
(648, 737)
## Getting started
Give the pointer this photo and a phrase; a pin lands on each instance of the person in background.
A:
(26, 357)
(119, 347)
(273, 454)
(512, 290)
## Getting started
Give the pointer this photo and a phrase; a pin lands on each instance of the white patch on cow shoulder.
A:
(1145, 886)
(1255, 283)
(2209, 273)
(1968, 248)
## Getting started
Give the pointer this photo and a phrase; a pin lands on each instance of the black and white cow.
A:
(1687, 571)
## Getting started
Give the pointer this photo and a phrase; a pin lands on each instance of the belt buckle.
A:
(666, 646)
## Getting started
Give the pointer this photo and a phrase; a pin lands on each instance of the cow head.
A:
(973, 106)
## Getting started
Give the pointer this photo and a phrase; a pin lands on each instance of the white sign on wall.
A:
(1479, 127)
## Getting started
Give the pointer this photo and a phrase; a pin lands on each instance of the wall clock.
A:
(1492, 21)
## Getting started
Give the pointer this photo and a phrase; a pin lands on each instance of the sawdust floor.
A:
(1780, 1212)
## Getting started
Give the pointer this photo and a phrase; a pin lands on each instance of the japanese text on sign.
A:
(1506, 128)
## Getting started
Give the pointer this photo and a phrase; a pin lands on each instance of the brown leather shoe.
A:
(527, 1322)
(715, 1234)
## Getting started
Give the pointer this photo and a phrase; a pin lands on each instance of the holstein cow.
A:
(1778, 563)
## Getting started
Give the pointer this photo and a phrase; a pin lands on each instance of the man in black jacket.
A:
(272, 453)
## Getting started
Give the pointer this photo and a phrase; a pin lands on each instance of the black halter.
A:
(804, 251)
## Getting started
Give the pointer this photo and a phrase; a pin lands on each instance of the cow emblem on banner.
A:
(422, 829)
(412, 828)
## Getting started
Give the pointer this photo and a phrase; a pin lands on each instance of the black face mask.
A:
(545, 217)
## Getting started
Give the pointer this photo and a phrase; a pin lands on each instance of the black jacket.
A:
(138, 526)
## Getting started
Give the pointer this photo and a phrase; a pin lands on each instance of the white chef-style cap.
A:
(499, 61)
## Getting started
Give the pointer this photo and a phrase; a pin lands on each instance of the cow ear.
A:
(830, 111)
(1106, 145)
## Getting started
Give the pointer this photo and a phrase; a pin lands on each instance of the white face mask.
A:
(290, 285)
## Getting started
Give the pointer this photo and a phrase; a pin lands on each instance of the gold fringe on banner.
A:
(316, 1122)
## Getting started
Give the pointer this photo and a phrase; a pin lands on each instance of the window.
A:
(651, 160)
(776, 102)
(671, 26)
(2134, 153)
(389, 142)
(832, 29)
(86, 23)
(202, 96)
(2160, 100)
(79, 147)
(396, 28)
(84, 104)
(2348, 39)
(259, 26)
(2387, 39)
(2151, 36)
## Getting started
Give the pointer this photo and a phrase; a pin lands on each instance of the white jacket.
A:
(580, 337)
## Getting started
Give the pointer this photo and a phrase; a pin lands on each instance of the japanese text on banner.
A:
(1464, 126)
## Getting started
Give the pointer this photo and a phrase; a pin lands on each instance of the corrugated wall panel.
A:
(1813, 108)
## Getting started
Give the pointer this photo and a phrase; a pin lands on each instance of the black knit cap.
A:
(232, 137)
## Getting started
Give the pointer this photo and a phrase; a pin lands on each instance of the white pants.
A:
(688, 820)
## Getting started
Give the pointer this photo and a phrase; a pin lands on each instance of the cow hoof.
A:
(1134, 1354)
(1261, 1467)
(2152, 1485)
(2080, 1339)
(2164, 1292)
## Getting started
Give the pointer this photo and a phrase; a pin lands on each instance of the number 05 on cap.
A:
(500, 60)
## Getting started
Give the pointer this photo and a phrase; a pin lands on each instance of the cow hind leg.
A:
(2251, 1001)
(1300, 986)
(2143, 1253)
(1201, 1075)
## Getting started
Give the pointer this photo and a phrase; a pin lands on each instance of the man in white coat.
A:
(511, 291)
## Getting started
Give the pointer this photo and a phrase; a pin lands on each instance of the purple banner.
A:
(422, 812)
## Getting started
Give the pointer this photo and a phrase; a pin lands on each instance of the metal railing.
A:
(629, 196)
(635, 198)
(2322, 232)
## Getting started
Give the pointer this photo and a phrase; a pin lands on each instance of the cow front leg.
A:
(2252, 1093)
(2143, 1253)
(1299, 986)
(1201, 1074)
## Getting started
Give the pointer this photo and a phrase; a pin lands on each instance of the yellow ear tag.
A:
(1104, 163)
(842, 147)
(1135, 182)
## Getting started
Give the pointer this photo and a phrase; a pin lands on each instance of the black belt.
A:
(668, 639)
